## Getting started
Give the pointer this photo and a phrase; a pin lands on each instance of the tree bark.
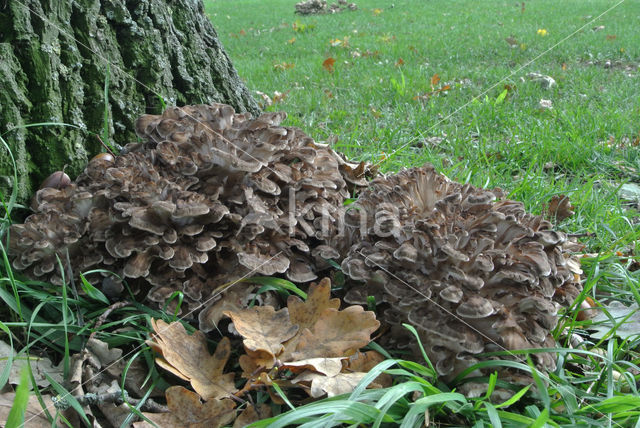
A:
(57, 57)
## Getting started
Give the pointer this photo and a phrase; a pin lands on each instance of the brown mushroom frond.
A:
(472, 271)
(207, 196)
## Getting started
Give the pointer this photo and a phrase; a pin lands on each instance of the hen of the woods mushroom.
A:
(473, 272)
(210, 195)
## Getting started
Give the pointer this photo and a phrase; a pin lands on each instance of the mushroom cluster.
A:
(472, 271)
(208, 196)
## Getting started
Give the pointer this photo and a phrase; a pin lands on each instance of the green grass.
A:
(367, 108)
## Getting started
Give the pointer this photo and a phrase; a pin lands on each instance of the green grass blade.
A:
(65, 395)
(494, 418)
(277, 284)
(4, 377)
(20, 402)
(92, 291)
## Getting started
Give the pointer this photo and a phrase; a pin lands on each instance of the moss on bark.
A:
(54, 70)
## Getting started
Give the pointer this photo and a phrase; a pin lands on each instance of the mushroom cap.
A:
(206, 195)
(474, 272)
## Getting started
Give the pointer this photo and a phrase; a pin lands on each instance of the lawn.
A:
(383, 102)
(540, 98)
(405, 83)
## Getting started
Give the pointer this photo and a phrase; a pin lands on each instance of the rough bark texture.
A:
(54, 70)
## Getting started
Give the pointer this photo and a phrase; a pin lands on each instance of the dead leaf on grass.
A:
(559, 207)
(326, 366)
(320, 384)
(283, 66)
(364, 362)
(187, 411)
(39, 366)
(311, 329)
(328, 63)
(513, 43)
(187, 357)
(619, 312)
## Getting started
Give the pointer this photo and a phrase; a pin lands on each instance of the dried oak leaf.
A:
(187, 411)
(364, 362)
(304, 330)
(32, 413)
(326, 366)
(335, 376)
(336, 333)
(264, 330)
(251, 415)
(559, 207)
(321, 384)
(187, 357)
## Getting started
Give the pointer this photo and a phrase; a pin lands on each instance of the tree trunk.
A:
(59, 58)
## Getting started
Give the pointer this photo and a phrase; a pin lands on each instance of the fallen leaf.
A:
(314, 328)
(603, 325)
(187, 357)
(386, 38)
(307, 313)
(187, 411)
(291, 40)
(328, 64)
(513, 43)
(283, 66)
(435, 92)
(364, 362)
(33, 413)
(250, 415)
(559, 207)
(435, 79)
(264, 331)
(336, 334)
(545, 104)
(611, 37)
(320, 384)
(280, 96)
(39, 366)
(546, 82)
(326, 366)
(630, 192)
(399, 62)
(235, 298)
(242, 33)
